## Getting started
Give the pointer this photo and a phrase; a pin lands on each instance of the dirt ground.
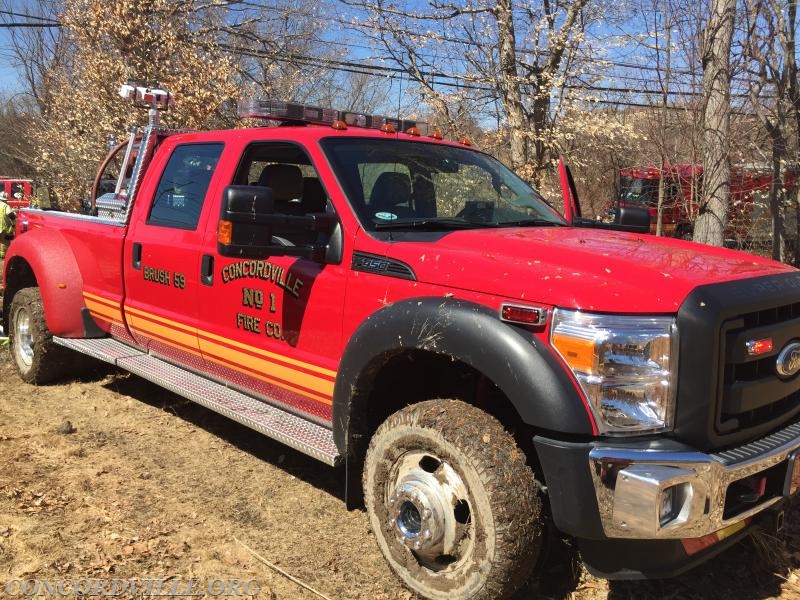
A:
(142, 484)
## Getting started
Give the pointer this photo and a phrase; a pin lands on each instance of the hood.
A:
(587, 269)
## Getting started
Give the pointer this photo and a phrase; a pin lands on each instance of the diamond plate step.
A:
(294, 431)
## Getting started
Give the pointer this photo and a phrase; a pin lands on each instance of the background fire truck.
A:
(18, 192)
(749, 221)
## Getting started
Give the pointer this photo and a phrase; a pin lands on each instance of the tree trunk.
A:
(510, 85)
(710, 226)
(775, 197)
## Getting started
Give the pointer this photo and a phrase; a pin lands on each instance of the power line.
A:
(37, 25)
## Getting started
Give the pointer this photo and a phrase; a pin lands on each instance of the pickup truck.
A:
(480, 369)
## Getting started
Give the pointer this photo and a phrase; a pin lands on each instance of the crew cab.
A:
(407, 310)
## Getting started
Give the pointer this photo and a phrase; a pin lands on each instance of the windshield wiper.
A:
(430, 223)
(531, 223)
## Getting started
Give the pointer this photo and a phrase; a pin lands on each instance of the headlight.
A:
(626, 366)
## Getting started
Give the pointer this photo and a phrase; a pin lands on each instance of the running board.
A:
(280, 425)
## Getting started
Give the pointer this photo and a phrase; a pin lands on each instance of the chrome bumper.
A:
(632, 484)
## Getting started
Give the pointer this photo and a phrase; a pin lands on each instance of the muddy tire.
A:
(454, 507)
(38, 359)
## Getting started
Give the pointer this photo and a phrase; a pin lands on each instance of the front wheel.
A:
(454, 507)
(38, 359)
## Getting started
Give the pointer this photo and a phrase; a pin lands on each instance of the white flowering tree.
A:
(111, 41)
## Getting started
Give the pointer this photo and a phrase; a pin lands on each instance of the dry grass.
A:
(149, 485)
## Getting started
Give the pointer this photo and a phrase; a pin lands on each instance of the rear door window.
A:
(182, 190)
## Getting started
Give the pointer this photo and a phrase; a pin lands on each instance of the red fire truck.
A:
(18, 192)
(747, 215)
(483, 369)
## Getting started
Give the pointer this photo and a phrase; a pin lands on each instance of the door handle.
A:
(207, 270)
(136, 255)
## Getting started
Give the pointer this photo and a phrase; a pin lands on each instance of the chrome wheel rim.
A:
(429, 510)
(23, 342)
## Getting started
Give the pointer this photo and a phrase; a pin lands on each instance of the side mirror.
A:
(250, 228)
(633, 219)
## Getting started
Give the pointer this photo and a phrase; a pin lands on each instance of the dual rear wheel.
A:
(38, 359)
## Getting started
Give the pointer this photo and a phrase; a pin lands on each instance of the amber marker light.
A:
(225, 232)
(339, 125)
(758, 347)
(465, 141)
(436, 134)
(578, 352)
(695, 545)
(413, 131)
(388, 128)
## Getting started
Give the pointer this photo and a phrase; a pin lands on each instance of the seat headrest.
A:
(286, 181)
(391, 189)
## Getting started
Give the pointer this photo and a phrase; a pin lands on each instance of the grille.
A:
(752, 394)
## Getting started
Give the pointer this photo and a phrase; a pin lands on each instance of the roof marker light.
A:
(465, 141)
(436, 134)
(278, 110)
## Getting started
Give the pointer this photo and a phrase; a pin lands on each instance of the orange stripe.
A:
(277, 382)
(102, 300)
(312, 381)
(232, 344)
(102, 309)
(145, 325)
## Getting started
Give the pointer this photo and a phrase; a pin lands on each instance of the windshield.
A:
(638, 191)
(395, 184)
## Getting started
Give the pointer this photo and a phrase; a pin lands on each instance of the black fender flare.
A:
(524, 368)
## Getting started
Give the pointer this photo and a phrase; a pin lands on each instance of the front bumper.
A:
(662, 490)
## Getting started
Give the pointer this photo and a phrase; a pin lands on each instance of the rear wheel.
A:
(38, 359)
(454, 507)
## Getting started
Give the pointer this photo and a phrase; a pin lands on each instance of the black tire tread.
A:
(50, 361)
(507, 479)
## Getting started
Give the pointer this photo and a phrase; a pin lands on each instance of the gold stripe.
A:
(186, 339)
(310, 382)
(102, 309)
(282, 384)
(181, 336)
(265, 353)
(99, 317)
(235, 367)
(151, 316)
(88, 295)
(268, 354)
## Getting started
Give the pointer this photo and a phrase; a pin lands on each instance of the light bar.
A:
(145, 95)
(276, 110)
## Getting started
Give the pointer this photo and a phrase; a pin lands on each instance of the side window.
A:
(296, 188)
(17, 191)
(182, 190)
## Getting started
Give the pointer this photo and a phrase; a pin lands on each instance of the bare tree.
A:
(710, 225)
(514, 53)
(36, 52)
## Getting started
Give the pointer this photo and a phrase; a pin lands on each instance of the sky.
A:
(9, 82)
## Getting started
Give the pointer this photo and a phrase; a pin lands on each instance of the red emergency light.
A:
(278, 110)
(145, 95)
